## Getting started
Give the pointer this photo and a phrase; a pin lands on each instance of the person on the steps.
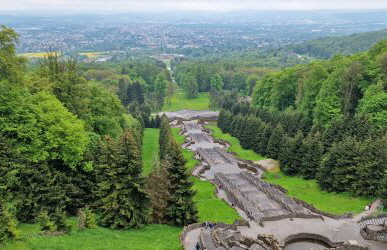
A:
(197, 246)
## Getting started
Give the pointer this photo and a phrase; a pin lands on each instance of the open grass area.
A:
(34, 55)
(188, 155)
(180, 102)
(92, 55)
(210, 207)
(310, 192)
(235, 146)
(152, 237)
(150, 148)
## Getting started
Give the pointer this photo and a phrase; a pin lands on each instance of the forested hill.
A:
(326, 47)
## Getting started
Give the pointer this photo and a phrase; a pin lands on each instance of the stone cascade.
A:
(215, 156)
(258, 199)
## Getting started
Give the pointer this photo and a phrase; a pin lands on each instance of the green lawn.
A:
(150, 148)
(188, 155)
(235, 146)
(153, 237)
(309, 191)
(180, 102)
(210, 207)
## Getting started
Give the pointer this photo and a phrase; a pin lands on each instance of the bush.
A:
(8, 223)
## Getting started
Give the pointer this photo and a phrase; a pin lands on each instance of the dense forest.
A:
(70, 144)
(325, 120)
(326, 47)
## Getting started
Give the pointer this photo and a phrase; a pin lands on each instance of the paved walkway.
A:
(336, 230)
(374, 209)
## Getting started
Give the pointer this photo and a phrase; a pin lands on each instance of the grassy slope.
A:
(209, 206)
(307, 190)
(180, 102)
(157, 237)
(235, 145)
(150, 148)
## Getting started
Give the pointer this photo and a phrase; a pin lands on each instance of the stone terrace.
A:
(259, 199)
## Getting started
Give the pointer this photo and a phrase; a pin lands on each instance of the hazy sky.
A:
(165, 5)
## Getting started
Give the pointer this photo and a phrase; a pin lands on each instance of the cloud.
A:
(183, 5)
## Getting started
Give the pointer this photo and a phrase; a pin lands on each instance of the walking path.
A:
(216, 160)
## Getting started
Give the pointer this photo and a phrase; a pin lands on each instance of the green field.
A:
(93, 55)
(153, 237)
(235, 146)
(188, 155)
(309, 191)
(210, 207)
(180, 102)
(35, 55)
(150, 148)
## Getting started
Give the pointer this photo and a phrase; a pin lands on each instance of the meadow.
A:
(179, 101)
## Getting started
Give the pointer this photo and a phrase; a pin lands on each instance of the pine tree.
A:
(265, 137)
(157, 187)
(8, 222)
(40, 189)
(124, 200)
(58, 217)
(164, 138)
(371, 164)
(181, 209)
(286, 153)
(275, 142)
(336, 171)
(312, 150)
(45, 222)
(90, 218)
(293, 165)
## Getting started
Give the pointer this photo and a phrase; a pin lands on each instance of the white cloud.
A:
(164, 5)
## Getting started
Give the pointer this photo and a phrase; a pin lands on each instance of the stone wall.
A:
(372, 234)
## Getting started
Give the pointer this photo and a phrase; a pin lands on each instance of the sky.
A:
(98, 6)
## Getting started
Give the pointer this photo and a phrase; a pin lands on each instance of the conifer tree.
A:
(90, 218)
(124, 200)
(8, 222)
(157, 187)
(164, 138)
(286, 152)
(293, 165)
(275, 142)
(371, 164)
(40, 188)
(181, 209)
(265, 137)
(312, 150)
(336, 171)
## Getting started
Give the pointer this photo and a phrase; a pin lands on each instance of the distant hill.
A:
(326, 47)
